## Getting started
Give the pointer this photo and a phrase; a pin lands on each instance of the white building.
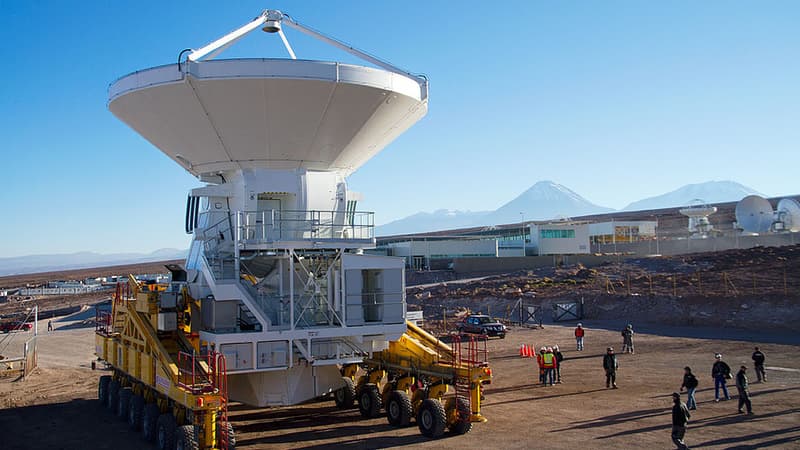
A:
(617, 231)
(560, 238)
(421, 253)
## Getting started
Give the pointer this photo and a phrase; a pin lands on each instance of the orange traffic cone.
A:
(523, 352)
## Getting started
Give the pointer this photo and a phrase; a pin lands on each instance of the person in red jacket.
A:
(579, 332)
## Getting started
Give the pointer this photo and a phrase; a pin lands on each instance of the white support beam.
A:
(225, 41)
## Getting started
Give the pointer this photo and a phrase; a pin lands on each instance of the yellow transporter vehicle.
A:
(161, 383)
(413, 378)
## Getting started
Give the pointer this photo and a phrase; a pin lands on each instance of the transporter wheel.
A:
(135, 411)
(186, 438)
(431, 418)
(369, 401)
(123, 402)
(345, 397)
(399, 409)
(102, 389)
(462, 424)
(165, 436)
(113, 395)
(231, 437)
(150, 422)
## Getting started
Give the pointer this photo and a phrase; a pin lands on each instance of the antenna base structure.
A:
(277, 259)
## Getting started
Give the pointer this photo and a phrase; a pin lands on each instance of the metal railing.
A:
(374, 307)
(281, 225)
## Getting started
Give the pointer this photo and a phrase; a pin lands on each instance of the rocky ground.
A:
(56, 406)
(755, 288)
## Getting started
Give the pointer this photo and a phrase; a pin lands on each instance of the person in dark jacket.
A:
(758, 362)
(559, 358)
(680, 417)
(720, 372)
(690, 384)
(611, 365)
(744, 391)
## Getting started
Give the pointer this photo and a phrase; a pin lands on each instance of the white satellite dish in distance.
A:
(788, 212)
(754, 214)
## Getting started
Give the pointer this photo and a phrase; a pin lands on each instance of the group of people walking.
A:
(720, 372)
(550, 370)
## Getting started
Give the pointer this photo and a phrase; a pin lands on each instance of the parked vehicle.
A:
(7, 327)
(482, 324)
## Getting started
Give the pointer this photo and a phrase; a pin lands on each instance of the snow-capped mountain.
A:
(709, 192)
(545, 200)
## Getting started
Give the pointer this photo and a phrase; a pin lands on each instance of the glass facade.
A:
(556, 234)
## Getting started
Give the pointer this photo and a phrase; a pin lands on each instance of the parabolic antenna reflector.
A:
(754, 214)
(789, 212)
(221, 115)
(698, 208)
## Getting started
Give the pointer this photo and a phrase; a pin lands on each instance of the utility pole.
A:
(524, 252)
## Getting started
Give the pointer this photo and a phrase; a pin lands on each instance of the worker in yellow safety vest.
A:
(549, 364)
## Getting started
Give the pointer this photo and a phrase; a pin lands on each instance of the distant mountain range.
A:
(82, 260)
(544, 200)
(547, 200)
(709, 192)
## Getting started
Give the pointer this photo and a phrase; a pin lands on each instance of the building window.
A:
(557, 234)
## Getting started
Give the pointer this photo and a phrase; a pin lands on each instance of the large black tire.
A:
(431, 418)
(186, 438)
(135, 411)
(369, 401)
(123, 402)
(399, 409)
(231, 436)
(345, 397)
(166, 432)
(113, 395)
(462, 426)
(150, 422)
(102, 389)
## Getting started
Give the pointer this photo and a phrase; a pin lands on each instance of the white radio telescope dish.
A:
(754, 214)
(788, 213)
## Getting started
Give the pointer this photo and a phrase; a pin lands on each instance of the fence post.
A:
(629, 284)
(785, 287)
(699, 284)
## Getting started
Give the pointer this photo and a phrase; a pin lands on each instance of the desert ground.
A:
(56, 407)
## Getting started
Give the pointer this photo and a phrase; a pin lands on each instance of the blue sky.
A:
(617, 100)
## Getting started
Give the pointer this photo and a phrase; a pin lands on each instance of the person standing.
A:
(758, 362)
(627, 339)
(690, 382)
(611, 365)
(49, 326)
(559, 358)
(579, 333)
(540, 362)
(721, 372)
(680, 417)
(744, 391)
(549, 364)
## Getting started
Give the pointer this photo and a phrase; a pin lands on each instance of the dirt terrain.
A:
(56, 406)
(698, 305)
